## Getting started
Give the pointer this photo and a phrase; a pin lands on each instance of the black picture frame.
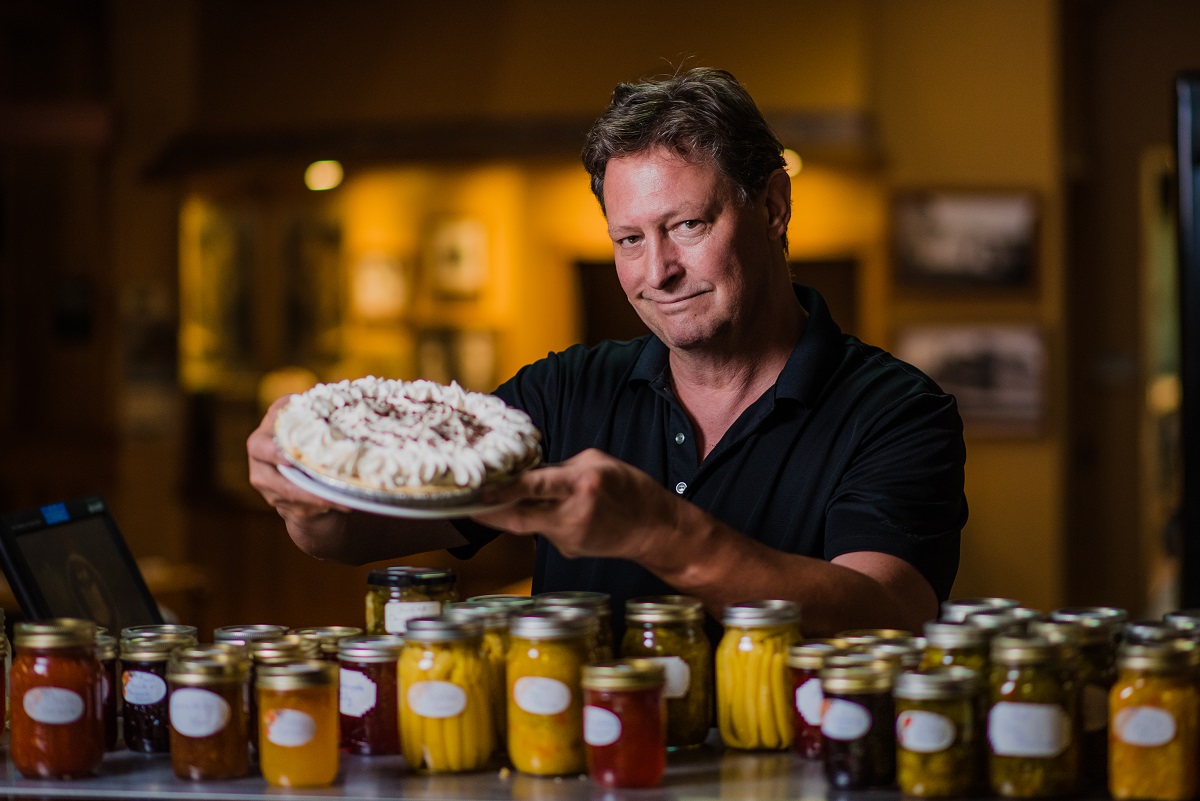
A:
(69, 559)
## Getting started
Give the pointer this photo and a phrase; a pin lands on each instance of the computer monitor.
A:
(69, 560)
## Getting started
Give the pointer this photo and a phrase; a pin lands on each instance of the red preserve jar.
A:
(367, 703)
(805, 660)
(57, 712)
(624, 722)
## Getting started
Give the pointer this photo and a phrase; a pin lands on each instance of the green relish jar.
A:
(937, 731)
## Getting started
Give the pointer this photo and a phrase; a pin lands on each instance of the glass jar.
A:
(598, 602)
(1154, 708)
(1033, 744)
(57, 714)
(938, 731)
(957, 609)
(805, 660)
(400, 593)
(368, 704)
(280, 649)
(858, 727)
(754, 697)
(144, 691)
(246, 634)
(864, 636)
(494, 620)
(209, 729)
(327, 638)
(546, 655)
(298, 723)
(670, 630)
(157, 630)
(106, 653)
(1003, 621)
(445, 709)
(955, 643)
(623, 722)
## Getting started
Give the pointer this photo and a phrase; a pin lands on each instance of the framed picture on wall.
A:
(458, 257)
(996, 372)
(965, 238)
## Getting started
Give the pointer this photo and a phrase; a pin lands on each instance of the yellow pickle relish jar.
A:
(399, 593)
(445, 707)
(494, 620)
(938, 731)
(298, 723)
(546, 654)
(669, 629)
(754, 688)
(1154, 709)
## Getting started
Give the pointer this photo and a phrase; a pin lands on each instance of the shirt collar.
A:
(806, 370)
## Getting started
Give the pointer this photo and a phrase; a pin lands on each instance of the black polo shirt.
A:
(851, 450)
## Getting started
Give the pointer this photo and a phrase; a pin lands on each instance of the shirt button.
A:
(681, 487)
(679, 438)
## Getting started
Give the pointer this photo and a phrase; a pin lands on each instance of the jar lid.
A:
(1147, 631)
(948, 681)
(288, 648)
(957, 609)
(811, 654)
(297, 675)
(440, 628)
(252, 632)
(664, 609)
(954, 634)
(624, 674)
(199, 668)
(409, 576)
(1016, 648)
(1185, 619)
(995, 621)
(221, 651)
(600, 602)
(1100, 624)
(1158, 657)
(859, 636)
(907, 651)
(327, 636)
(58, 632)
(546, 623)
(1064, 633)
(371, 648)
(858, 656)
(491, 618)
(106, 646)
(503, 600)
(150, 649)
(159, 630)
(852, 679)
(772, 612)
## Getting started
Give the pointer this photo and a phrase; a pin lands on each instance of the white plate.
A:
(307, 484)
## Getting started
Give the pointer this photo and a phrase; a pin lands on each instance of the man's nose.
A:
(663, 264)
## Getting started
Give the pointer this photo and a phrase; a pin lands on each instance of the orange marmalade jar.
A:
(57, 710)
(298, 723)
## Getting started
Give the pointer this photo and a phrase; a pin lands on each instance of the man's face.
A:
(692, 260)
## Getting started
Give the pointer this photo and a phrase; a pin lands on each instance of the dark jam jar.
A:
(859, 726)
(367, 699)
(397, 594)
(805, 660)
(57, 715)
(106, 652)
(144, 690)
(623, 722)
(209, 729)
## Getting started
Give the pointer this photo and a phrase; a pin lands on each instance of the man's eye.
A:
(627, 241)
(691, 225)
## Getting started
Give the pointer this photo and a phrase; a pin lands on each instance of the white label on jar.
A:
(436, 699)
(924, 732)
(143, 688)
(679, 675)
(809, 699)
(198, 713)
(1144, 725)
(600, 727)
(396, 614)
(290, 727)
(844, 720)
(538, 695)
(53, 705)
(357, 694)
(1028, 730)
(1095, 708)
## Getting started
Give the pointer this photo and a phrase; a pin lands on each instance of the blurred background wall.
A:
(165, 272)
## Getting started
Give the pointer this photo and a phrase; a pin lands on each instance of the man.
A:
(748, 449)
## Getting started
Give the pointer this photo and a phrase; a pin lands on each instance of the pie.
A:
(405, 440)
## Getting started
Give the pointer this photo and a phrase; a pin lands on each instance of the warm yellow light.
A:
(792, 162)
(323, 175)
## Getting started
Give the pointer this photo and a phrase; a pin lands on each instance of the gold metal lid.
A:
(1148, 631)
(547, 623)
(201, 666)
(253, 632)
(1158, 657)
(441, 628)
(371, 648)
(951, 634)
(852, 679)
(159, 630)
(288, 648)
(1015, 648)
(753, 614)
(226, 651)
(58, 632)
(957, 609)
(297, 675)
(327, 636)
(860, 636)
(1066, 634)
(664, 609)
(908, 651)
(600, 602)
(1183, 619)
(943, 682)
(503, 600)
(624, 674)
(811, 654)
(492, 618)
(859, 656)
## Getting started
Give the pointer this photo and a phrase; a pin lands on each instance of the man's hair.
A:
(701, 114)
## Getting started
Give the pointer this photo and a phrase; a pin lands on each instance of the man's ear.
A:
(777, 199)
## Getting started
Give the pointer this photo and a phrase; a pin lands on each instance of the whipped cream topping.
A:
(389, 434)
